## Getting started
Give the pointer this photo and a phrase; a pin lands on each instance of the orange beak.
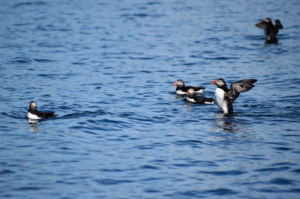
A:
(187, 93)
(213, 82)
(263, 20)
(175, 84)
(31, 105)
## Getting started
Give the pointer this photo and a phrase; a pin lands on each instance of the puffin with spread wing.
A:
(225, 97)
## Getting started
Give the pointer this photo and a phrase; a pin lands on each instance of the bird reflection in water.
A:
(225, 122)
(32, 125)
(179, 97)
(188, 103)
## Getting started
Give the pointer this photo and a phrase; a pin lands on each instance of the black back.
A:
(41, 114)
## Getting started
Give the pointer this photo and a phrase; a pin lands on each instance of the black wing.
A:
(261, 25)
(42, 114)
(203, 100)
(239, 87)
(265, 26)
(186, 88)
(278, 24)
(195, 88)
(198, 88)
(183, 89)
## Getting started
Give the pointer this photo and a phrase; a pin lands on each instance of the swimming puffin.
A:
(182, 89)
(35, 114)
(270, 30)
(225, 97)
(202, 100)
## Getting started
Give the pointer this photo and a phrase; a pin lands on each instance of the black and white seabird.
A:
(35, 114)
(202, 100)
(270, 30)
(225, 97)
(182, 89)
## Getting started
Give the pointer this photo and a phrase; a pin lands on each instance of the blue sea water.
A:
(107, 68)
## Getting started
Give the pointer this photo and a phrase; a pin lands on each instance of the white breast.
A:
(220, 100)
(180, 92)
(190, 99)
(31, 116)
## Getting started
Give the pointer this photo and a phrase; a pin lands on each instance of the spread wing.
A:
(264, 25)
(239, 87)
(261, 25)
(278, 24)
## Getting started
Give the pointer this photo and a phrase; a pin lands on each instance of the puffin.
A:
(202, 100)
(35, 114)
(225, 97)
(182, 89)
(270, 30)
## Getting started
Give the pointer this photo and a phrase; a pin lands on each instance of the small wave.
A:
(144, 147)
(43, 60)
(48, 76)
(112, 170)
(188, 142)
(36, 3)
(296, 171)
(21, 60)
(143, 58)
(112, 182)
(203, 194)
(26, 60)
(28, 188)
(154, 3)
(273, 169)
(222, 191)
(222, 173)
(282, 148)
(221, 58)
(6, 171)
(84, 114)
(149, 167)
(282, 181)
(141, 15)
(16, 115)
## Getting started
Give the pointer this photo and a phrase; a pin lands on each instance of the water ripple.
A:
(222, 173)
(112, 182)
(107, 69)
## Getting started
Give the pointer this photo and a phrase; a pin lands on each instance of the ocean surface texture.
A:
(107, 68)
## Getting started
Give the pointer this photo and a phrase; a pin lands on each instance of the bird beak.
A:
(175, 84)
(187, 93)
(213, 82)
(31, 105)
(263, 20)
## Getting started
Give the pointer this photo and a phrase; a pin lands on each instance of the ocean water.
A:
(107, 68)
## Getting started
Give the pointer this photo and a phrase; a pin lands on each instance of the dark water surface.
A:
(107, 69)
